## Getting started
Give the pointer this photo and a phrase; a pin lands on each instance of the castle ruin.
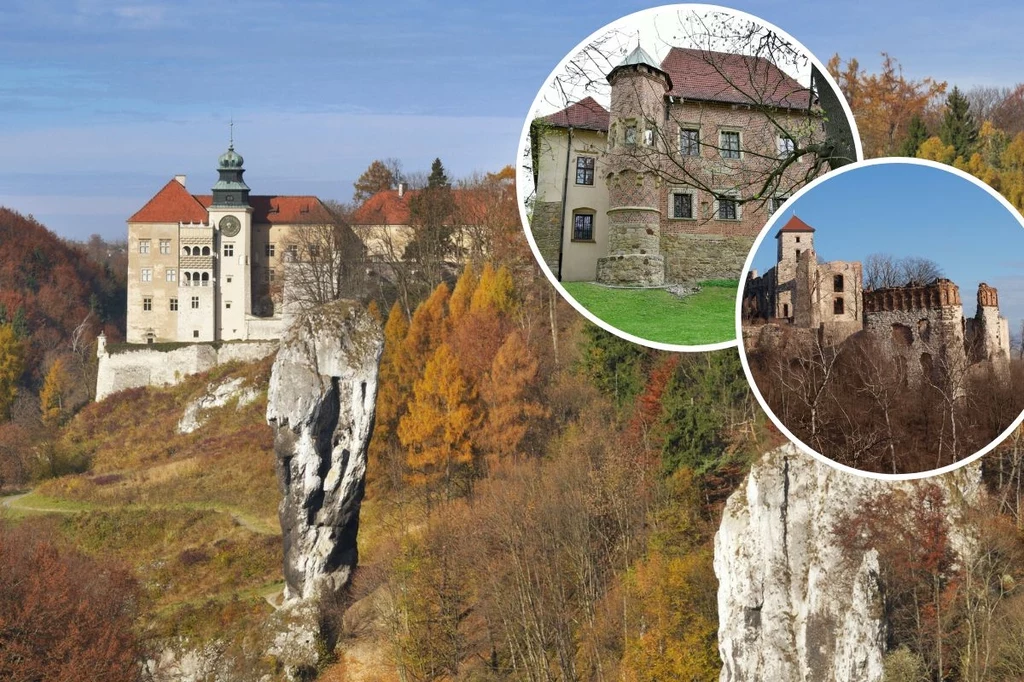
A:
(920, 326)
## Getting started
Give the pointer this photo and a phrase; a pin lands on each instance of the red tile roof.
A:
(586, 114)
(387, 208)
(280, 210)
(794, 224)
(171, 204)
(731, 78)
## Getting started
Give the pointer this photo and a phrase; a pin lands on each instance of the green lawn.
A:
(654, 314)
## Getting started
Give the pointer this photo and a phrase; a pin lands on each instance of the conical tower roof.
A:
(637, 59)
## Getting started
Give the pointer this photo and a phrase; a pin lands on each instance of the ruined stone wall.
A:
(988, 334)
(806, 312)
(921, 327)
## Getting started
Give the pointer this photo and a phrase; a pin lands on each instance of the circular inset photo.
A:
(881, 318)
(655, 153)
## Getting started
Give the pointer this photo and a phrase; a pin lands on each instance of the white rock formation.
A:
(217, 395)
(321, 400)
(789, 608)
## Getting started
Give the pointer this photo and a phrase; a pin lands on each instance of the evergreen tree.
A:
(613, 365)
(917, 133)
(959, 128)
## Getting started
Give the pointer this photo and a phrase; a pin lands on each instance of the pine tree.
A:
(53, 394)
(441, 419)
(917, 133)
(12, 359)
(508, 393)
(432, 215)
(959, 128)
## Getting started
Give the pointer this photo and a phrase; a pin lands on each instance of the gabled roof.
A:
(586, 114)
(731, 78)
(172, 204)
(794, 224)
(387, 208)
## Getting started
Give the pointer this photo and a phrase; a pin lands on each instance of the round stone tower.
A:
(990, 328)
(634, 182)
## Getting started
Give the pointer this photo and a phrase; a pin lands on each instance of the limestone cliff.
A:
(789, 607)
(323, 388)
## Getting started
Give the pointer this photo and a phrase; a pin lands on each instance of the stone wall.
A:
(546, 228)
(699, 257)
(148, 367)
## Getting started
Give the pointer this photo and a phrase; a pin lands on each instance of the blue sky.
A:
(911, 210)
(101, 102)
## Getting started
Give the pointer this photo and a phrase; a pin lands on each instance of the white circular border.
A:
(524, 137)
(739, 320)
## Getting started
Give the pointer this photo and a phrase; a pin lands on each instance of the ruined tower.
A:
(988, 334)
(634, 182)
(795, 237)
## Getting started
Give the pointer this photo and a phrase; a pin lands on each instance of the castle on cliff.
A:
(674, 181)
(921, 325)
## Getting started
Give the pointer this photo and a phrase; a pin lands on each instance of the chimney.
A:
(401, 190)
(180, 179)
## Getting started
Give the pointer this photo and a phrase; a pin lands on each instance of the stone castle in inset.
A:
(671, 183)
(920, 325)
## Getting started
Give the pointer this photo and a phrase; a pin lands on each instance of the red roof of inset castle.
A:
(707, 76)
(174, 204)
(794, 224)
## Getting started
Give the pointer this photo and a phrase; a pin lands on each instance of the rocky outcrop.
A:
(216, 395)
(790, 607)
(323, 388)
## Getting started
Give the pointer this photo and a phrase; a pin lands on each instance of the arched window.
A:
(206, 279)
(206, 250)
(188, 277)
(187, 250)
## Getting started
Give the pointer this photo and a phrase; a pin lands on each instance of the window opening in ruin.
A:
(837, 283)
(837, 306)
(785, 310)
(902, 335)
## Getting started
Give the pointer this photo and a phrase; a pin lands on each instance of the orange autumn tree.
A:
(508, 392)
(462, 295)
(12, 359)
(476, 335)
(390, 402)
(439, 427)
(53, 394)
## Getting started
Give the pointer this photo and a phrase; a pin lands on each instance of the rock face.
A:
(789, 607)
(323, 389)
(217, 395)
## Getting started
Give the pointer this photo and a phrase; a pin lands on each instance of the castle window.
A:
(730, 144)
(171, 275)
(798, 254)
(785, 310)
(206, 250)
(187, 250)
(630, 135)
(649, 137)
(837, 283)
(147, 303)
(775, 203)
(230, 278)
(583, 227)
(270, 250)
(227, 304)
(292, 250)
(147, 274)
(173, 305)
(195, 303)
(837, 306)
(206, 279)
(270, 276)
(229, 249)
(798, 239)
(681, 204)
(728, 208)
(689, 142)
(165, 246)
(144, 246)
(784, 145)
(195, 333)
(585, 170)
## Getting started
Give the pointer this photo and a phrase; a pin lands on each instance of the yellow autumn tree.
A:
(934, 150)
(495, 291)
(423, 337)
(462, 295)
(437, 430)
(508, 395)
(391, 401)
(12, 364)
(53, 394)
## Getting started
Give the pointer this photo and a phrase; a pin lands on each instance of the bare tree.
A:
(883, 271)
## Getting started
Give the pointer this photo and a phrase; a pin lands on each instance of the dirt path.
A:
(15, 502)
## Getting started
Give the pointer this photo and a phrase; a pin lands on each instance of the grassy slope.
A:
(654, 314)
(194, 515)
